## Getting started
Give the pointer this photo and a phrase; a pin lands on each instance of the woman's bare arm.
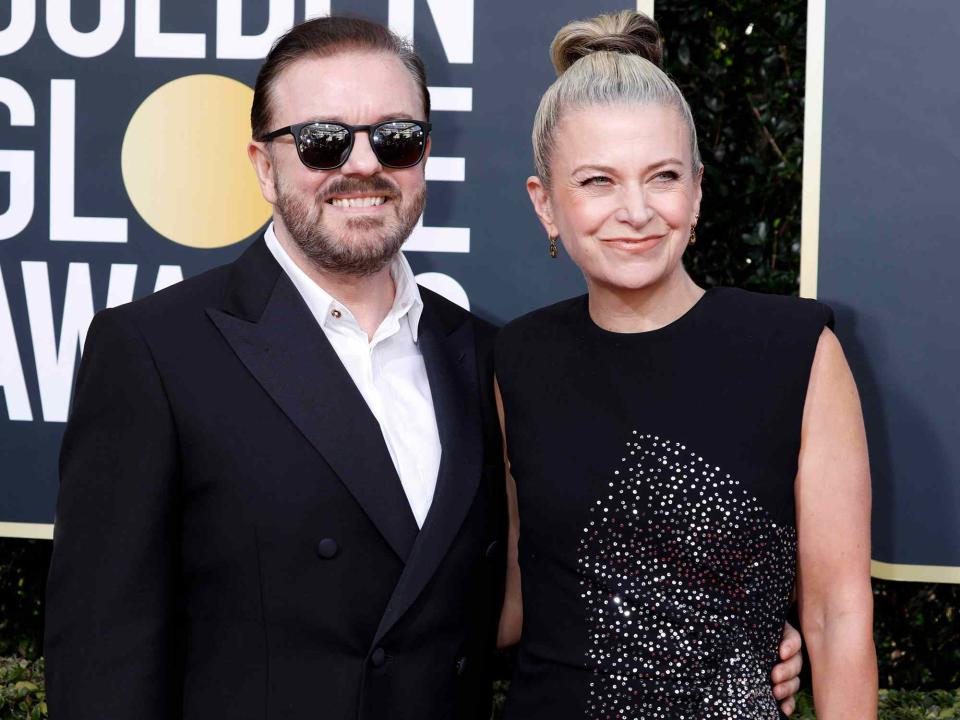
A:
(833, 527)
(511, 616)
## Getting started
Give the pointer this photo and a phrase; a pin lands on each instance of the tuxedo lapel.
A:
(270, 328)
(450, 358)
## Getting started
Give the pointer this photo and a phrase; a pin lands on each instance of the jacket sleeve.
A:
(110, 641)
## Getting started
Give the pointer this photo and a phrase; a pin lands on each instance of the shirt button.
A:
(336, 313)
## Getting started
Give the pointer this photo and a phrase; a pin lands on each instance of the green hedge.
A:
(741, 65)
(23, 580)
(22, 697)
(901, 705)
(21, 689)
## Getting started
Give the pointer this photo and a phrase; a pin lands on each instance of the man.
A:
(282, 483)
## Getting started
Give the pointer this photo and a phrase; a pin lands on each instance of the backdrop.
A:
(889, 260)
(123, 169)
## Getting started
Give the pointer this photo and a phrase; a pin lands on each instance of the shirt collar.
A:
(406, 301)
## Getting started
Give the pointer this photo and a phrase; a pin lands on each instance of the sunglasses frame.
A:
(352, 130)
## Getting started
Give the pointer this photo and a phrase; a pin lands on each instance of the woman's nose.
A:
(634, 209)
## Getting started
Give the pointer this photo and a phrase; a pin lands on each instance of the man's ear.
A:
(262, 161)
(540, 197)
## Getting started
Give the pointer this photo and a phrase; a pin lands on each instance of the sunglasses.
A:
(325, 145)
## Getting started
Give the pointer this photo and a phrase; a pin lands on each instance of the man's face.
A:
(354, 219)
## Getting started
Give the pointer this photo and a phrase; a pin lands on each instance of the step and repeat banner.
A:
(123, 169)
(123, 126)
(882, 246)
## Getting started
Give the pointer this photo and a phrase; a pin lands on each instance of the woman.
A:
(681, 457)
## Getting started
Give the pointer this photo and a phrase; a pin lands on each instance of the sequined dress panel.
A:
(654, 475)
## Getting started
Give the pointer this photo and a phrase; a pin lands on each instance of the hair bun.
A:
(628, 32)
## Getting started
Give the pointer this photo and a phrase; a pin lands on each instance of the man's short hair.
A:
(323, 37)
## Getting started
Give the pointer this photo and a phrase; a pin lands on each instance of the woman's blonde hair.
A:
(611, 59)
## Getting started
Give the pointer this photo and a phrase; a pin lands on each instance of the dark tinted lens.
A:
(323, 145)
(399, 143)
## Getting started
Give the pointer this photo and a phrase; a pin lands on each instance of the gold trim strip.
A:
(915, 573)
(646, 7)
(30, 531)
(812, 148)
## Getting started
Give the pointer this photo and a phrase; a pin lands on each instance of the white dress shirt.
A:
(388, 370)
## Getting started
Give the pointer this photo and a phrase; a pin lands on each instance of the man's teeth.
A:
(360, 202)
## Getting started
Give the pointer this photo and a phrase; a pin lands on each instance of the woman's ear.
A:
(540, 197)
(698, 193)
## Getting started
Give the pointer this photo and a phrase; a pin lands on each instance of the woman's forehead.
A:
(621, 134)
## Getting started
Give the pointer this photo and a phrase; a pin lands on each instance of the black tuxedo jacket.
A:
(232, 539)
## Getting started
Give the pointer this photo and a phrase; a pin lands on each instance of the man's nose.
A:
(362, 160)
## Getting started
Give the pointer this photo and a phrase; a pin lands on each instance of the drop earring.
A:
(554, 252)
(693, 231)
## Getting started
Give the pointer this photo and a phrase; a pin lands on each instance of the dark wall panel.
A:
(890, 257)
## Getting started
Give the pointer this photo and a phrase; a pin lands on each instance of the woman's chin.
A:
(637, 276)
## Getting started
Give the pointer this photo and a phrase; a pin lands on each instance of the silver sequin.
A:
(686, 580)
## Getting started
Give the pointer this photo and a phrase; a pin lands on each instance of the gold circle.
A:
(185, 166)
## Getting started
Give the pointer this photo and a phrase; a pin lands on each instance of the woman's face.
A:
(623, 196)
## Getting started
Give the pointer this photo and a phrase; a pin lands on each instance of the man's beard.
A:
(367, 244)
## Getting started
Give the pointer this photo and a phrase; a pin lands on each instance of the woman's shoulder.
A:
(777, 313)
(766, 336)
(545, 331)
(544, 321)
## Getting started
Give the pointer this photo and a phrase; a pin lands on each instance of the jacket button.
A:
(461, 666)
(492, 549)
(378, 657)
(327, 548)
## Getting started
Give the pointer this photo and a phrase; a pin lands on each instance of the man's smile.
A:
(363, 201)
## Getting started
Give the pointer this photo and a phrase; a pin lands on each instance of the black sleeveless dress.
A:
(655, 479)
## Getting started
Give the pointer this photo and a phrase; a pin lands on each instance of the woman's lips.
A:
(635, 245)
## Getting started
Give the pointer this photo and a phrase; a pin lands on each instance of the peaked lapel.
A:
(272, 331)
(449, 354)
